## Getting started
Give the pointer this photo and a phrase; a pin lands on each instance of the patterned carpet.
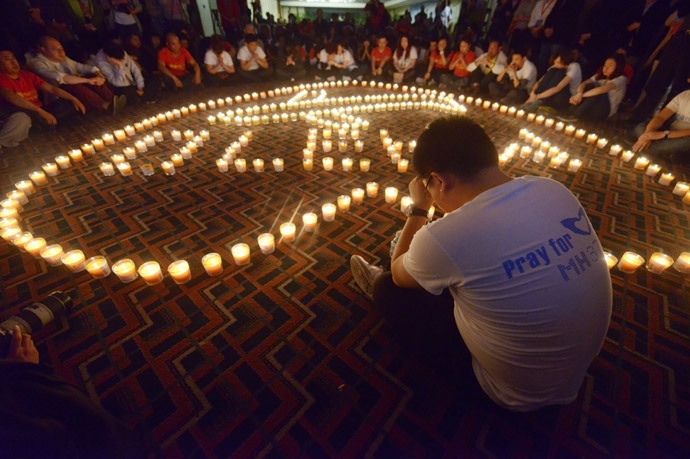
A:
(285, 356)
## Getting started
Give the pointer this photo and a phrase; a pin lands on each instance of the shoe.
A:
(347, 78)
(420, 80)
(364, 274)
(330, 78)
(119, 103)
(317, 78)
(568, 118)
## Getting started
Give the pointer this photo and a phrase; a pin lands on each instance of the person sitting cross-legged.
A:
(459, 61)
(511, 283)
(19, 91)
(517, 78)
(486, 68)
(124, 76)
(253, 63)
(173, 63)
(218, 62)
(598, 97)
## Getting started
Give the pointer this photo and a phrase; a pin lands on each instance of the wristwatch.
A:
(413, 211)
(666, 133)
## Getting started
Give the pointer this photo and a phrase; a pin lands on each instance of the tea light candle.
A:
(140, 127)
(10, 233)
(580, 133)
(666, 179)
(615, 150)
(52, 254)
(179, 271)
(76, 155)
(240, 165)
(354, 134)
(278, 164)
(11, 204)
(21, 239)
(186, 154)
(328, 212)
(574, 165)
(129, 130)
(327, 163)
(125, 270)
(151, 272)
(307, 164)
(258, 165)
(652, 170)
(191, 146)
(38, 177)
(610, 259)
(240, 253)
(343, 203)
(629, 262)
(177, 159)
(540, 119)
(222, 165)
(559, 126)
(8, 222)
(120, 134)
(682, 264)
(35, 246)
(365, 125)
(266, 243)
(309, 221)
(326, 133)
(176, 135)
(549, 122)
(287, 232)
(117, 159)
(98, 267)
(168, 168)
(601, 143)
(347, 164)
(213, 264)
(125, 169)
(681, 188)
(146, 169)
(525, 151)
(327, 145)
(63, 161)
(26, 187)
(98, 144)
(403, 165)
(157, 137)
(522, 134)
(531, 116)
(74, 260)
(659, 262)
(391, 194)
(570, 129)
(6, 212)
(140, 145)
(627, 156)
(686, 198)
(372, 189)
(387, 142)
(342, 146)
(641, 163)
(205, 135)
(130, 153)
(359, 146)
(536, 142)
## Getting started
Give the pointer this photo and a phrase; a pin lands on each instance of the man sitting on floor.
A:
(513, 84)
(173, 61)
(514, 265)
(487, 67)
(253, 63)
(668, 133)
(83, 81)
(19, 89)
(218, 63)
(123, 74)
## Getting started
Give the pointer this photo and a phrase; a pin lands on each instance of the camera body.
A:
(34, 317)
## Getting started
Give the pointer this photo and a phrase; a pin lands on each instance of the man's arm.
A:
(652, 131)
(24, 104)
(62, 94)
(166, 71)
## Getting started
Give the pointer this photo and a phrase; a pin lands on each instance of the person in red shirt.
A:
(173, 61)
(438, 63)
(19, 91)
(381, 58)
(460, 76)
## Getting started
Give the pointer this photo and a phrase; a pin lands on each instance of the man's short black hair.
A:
(114, 50)
(455, 145)
(250, 39)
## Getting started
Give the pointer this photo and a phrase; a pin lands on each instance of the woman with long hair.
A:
(404, 59)
(598, 97)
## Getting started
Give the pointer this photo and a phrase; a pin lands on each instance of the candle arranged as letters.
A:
(287, 231)
(309, 220)
(328, 212)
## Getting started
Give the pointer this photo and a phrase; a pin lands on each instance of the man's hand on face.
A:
(22, 347)
(419, 194)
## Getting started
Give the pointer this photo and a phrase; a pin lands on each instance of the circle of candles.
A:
(258, 165)
(610, 259)
(391, 194)
(666, 179)
(52, 254)
(372, 189)
(659, 262)
(98, 267)
(266, 243)
(347, 164)
(240, 253)
(18, 196)
(125, 270)
(641, 163)
(309, 220)
(278, 164)
(151, 272)
(287, 231)
(344, 203)
(653, 170)
(74, 260)
(327, 163)
(38, 177)
(357, 195)
(629, 262)
(179, 271)
(168, 168)
(147, 169)
(328, 212)
(62, 161)
(35, 246)
(213, 264)
(682, 264)
(21, 239)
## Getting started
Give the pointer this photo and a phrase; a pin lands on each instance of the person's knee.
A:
(21, 120)
(383, 287)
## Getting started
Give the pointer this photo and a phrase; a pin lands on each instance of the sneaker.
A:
(317, 78)
(568, 118)
(330, 78)
(119, 103)
(364, 274)
(347, 78)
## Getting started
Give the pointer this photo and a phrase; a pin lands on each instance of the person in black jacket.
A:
(559, 31)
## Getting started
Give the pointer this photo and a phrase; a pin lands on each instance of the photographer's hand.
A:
(22, 347)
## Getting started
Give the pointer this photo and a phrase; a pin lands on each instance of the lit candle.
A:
(129, 130)
(258, 165)
(125, 270)
(74, 260)
(240, 253)
(344, 203)
(140, 145)
(574, 165)
(403, 164)
(130, 153)
(686, 198)
(540, 119)
(168, 168)
(38, 177)
(117, 158)
(62, 161)
(652, 170)
(222, 165)
(627, 156)
(629, 262)
(125, 169)
(357, 195)
(580, 133)
(610, 259)
(309, 220)
(328, 211)
(359, 146)
(525, 151)
(326, 133)
(176, 135)
(179, 271)
(681, 188)
(347, 164)
(52, 254)
(365, 125)
(307, 164)
(98, 144)
(151, 272)
(147, 169)
(487, 104)
(157, 136)
(266, 243)
(354, 134)
(391, 194)
(278, 164)
(205, 135)
(287, 231)
(666, 179)
(549, 122)
(615, 150)
(108, 139)
(504, 109)
(191, 146)
(530, 116)
(327, 163)
(120, 134)
(641, 163)
(213, 264)
(76, 155)
(98, 267)
(177, 159)
(140, 127)
(659, 262)
(327, 145)
(21, 239)
(364, 164)
(570, 129)
(523, 133)
(342, 146)
(387, 142)
(241, 165)
(35, 246)
(25, 187)
(601, 143)
(372, 189)
(682, 264)
(11, 204)
(9, 213)
(559, 126)
(10, 233)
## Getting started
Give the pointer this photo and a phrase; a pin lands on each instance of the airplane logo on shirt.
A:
(576, 224)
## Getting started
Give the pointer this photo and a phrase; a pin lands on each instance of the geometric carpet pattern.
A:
(285, 356)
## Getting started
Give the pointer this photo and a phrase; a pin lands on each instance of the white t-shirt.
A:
(211, 58)
(680, 105)
(574, 71)
(617, 94)
(244, 55)
(531, 288)
(527, 72)
(403, 62)
(345, 58)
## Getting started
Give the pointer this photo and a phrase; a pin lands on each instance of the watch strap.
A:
(416, 212)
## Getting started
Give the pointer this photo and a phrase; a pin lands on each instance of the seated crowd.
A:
(531, 55)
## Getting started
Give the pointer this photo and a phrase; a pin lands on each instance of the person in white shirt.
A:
(253, 63)
(218, 63)
(667, 134)
(512, 85)
(554, 88)
(514, 266)
(404, 59)
(486, 68)
(124, 76)
(598, 97)
(336, 60)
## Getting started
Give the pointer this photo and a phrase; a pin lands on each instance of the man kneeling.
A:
(518, 267)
